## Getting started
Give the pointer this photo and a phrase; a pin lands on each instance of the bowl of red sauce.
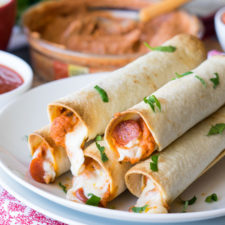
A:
(15, 77)
(7, 19)
(220, 26)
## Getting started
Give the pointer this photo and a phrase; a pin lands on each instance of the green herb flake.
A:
(168, 48)
(63, 187)
(185, 206)
(153, 167)
(211, 198)
(154, 163)
(102, 93)
(181, 75)
(152, 101)
(93, 200)
(216, 129)
(201, 80)
(98, 138)
(139, 209)
(188, 202)
(101, 149)
(215, 80)
(155, 158)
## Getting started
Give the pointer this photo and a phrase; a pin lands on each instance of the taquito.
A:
(178, 165)
(102, 178)
(48, 159)
(79, 117)
(169, 112)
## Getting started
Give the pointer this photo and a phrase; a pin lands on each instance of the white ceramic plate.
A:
(28, 113)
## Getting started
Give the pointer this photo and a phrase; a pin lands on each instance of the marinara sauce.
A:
(9, 79)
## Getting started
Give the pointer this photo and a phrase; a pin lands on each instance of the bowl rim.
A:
(218, 15)
(5, 5)
(27, 75)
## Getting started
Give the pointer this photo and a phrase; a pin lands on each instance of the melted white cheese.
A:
(151, 197)
(95, 182)
(133, 151)
(73, 143)
(48, 165)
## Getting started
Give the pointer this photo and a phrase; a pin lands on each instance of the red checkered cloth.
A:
(13, 212)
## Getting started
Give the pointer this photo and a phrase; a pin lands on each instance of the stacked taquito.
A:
(48, 159)
(101, 177)
(169, 112)
(79, 117)
(178, 165)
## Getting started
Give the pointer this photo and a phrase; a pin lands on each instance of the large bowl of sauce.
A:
(74, 37)
(15, 77)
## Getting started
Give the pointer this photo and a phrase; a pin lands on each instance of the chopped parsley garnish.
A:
(201, 80)
(98, 138)
(188, 202)
(182, 75)
(154, 163)
(139, 209)
(215, 80)
(168, 48)
(101, 149)
(102, 93)
(217, 129)
(212, 198)
(63, 187)
(93, 200)
(152, 100)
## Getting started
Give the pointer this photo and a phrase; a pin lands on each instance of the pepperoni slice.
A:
(126, 131)
(36, 170)
(59, 127)
(79, 193)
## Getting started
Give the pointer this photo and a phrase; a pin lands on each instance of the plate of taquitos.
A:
(164, 111)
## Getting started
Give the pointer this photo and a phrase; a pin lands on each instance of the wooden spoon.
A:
(160, 8)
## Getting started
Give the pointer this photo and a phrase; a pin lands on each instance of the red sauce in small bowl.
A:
(9, 79)
(223, 18)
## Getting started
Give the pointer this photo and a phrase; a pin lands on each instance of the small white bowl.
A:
(23, 69)
(220, 27)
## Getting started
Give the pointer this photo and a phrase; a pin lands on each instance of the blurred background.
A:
(63, 38)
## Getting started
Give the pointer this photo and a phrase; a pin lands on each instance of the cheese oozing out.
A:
(73, 142)
(93, 179)
(48, 164)
(140, 140)
(151, 197)
(131, 150)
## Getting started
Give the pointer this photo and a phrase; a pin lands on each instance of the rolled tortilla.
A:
(135, 133)
(124, 87)
(179, 165)
(48, 160)
(103, 179)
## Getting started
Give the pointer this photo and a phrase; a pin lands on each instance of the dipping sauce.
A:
(9, 79)
(223, 18)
